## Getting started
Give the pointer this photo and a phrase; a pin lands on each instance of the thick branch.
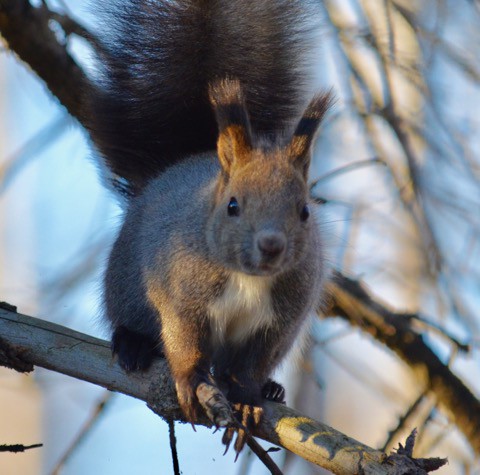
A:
(351, 301)
(27, 32)
(66, 351)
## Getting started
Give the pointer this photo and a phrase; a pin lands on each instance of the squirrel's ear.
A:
(235, 136)
(301, 143)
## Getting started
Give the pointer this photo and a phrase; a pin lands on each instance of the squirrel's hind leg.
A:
(135, 351)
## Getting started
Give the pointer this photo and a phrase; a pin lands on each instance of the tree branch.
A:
(27, 32)
(350, 301)
(40, 343)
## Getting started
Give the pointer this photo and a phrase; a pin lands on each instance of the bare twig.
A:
(29, 151)
(347, 168)
(83, 433)
(16, 448)
(393, 434)
(418, 466)
(262, 454)
(173, 447)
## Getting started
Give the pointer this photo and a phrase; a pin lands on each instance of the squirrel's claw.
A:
(227, 438)
(240, 442)
(248, 418)
(187, 400)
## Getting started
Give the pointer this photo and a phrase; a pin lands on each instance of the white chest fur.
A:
(244, 307)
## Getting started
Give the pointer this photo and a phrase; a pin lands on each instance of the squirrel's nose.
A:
(271, 244)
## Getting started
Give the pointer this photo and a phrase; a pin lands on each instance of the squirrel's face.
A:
(261, 223)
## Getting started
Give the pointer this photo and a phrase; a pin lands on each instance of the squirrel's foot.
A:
(249, 412)
(135, 351)
(215, 404)
(186, 387)
(248, 417)
(273, 391)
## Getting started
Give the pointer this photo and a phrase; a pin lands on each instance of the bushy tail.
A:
(159, 58)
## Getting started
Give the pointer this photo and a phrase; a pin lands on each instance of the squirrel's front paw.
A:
(135, 351)
(273, 391)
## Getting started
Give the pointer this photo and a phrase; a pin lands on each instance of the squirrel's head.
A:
(261, 222)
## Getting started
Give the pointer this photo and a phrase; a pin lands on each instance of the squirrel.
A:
(201, 115)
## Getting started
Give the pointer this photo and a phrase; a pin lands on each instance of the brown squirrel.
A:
(199, 116)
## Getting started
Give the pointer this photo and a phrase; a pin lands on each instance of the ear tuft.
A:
(228, 100)
(235, 136)
(304, 135)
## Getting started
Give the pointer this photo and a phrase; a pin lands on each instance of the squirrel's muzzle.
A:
(271, 246)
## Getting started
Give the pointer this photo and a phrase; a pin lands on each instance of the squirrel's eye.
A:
(233, 207)
(305, 213)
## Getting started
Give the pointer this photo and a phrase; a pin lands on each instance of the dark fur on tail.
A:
(159, 59)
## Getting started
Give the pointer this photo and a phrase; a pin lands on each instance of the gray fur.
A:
(199, 104)
(165, 267)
